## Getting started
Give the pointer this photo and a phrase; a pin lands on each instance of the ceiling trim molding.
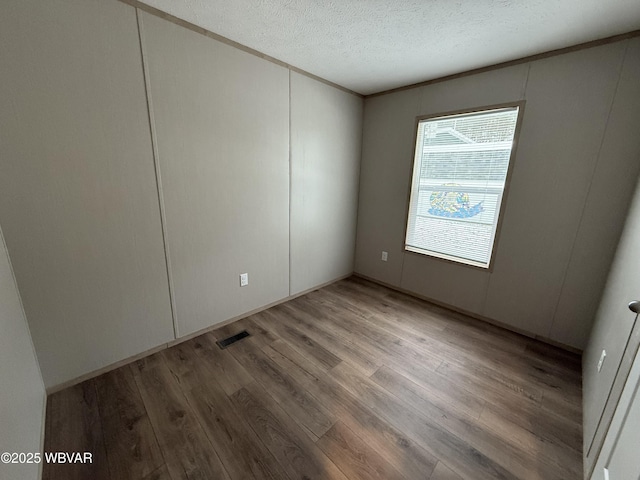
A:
(530, 58)
(207, 33)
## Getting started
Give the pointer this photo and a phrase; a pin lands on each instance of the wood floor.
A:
(353, 381)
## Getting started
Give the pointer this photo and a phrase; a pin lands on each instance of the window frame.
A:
(512, 157)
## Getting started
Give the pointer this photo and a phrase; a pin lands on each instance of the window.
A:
(459, 175)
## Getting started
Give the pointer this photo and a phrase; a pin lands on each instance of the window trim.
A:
(507, 184)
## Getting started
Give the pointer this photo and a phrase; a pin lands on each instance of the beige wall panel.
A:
(568, 100)
(387, 156)
(222, 122)
(455, 284)
(445, 282)
(326, 136)
(607, 204)
(484, 89)
(22, 394)
(78, 198)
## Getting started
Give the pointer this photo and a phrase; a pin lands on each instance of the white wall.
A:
(569, 178)
(22, 396)
(79, 198)
(326, 136)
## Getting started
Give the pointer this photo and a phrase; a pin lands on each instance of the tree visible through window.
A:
(459, 175)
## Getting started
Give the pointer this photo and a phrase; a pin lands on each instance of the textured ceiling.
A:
(374, 45)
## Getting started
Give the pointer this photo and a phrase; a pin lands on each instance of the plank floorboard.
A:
(390, 443)
(74, 415)
(229, 373)
(550, 452)
(546, 425)
(239, 449)
(132, 448)
(371, 338)
(301, 458)
(464, 458)
(442, 472)
(448, 396)
(160, 474)
(185, 447)
(294, 362)
(351, 381)
(330, 339)
(492, 444)
(271, 321)
(303, 407)
(355, 457)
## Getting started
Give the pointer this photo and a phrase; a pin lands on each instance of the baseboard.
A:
(253, 312)
(561, 345)
(472, 315)
(106, 369)
(151, 351)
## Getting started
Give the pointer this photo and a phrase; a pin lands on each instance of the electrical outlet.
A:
(385, 256)
(603, 355)
(244, 279)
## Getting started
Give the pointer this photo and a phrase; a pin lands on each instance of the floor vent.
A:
(233, 339)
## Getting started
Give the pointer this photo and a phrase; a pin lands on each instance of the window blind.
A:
(459, 175)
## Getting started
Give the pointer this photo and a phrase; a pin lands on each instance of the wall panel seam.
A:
(207, 33)
(525, 84)
(360, 169)
(156, 163)
(290, 181)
